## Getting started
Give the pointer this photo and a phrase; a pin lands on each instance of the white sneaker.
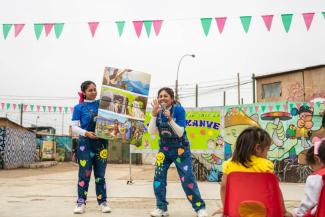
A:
(159, 213)
(105, 208)
(202, 213)
(80, 208)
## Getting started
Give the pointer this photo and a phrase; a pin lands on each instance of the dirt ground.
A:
(139, 172)
(51, 192)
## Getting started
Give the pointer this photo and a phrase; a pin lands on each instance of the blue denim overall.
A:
(174, 150)
(92, 154)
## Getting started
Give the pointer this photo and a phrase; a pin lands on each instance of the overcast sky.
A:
(55, 68)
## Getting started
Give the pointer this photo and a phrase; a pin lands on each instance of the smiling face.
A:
(90, 92)
(164, 97)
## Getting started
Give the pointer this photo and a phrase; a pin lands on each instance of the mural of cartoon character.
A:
(235, 123)
(293, 140)
(305, 121)
(219, 142)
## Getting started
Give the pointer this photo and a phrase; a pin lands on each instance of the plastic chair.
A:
(263, 188)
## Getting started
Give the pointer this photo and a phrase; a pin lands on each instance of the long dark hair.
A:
(310, 156)
(170, 93)
(246, 143)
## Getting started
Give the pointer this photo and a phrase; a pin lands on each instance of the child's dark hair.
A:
(246, 143)
(85, 85)
(170, 93)
(310, 156)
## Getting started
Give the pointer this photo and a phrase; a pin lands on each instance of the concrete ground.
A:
(51, 192)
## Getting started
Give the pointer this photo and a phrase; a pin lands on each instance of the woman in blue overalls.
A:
(91, 151)
(168, 118)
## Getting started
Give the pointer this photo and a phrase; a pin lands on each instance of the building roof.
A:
(5, 122)
(287, 72)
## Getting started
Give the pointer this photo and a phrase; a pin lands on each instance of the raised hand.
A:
(155, 107)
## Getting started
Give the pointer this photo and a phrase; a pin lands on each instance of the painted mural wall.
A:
(290, 124)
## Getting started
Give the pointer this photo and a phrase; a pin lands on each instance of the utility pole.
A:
(242, 101)
(21, 114)
(62, 122)
(196, 95)
(224, 98)
(238, 88)
(176, 89)
(253, 78)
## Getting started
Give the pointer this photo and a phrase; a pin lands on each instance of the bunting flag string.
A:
(206, 24)
(268, 19)
(31, 108)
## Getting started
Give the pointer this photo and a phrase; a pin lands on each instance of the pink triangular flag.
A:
(71, 109)
(25, 107)
(49, 108)
(234, 109)
(93, 27)
(311, 104)
(157, 26)
(14, 105)
(138, 27)
(268, 21)
(245, 109)
(221, 23)
(285, 107)
(298, 106)
(2, 105)
(308, 18)
(60, 109)
(18, 28)
(256, 108)
(48, 28)
(270, 108)
(38, 107)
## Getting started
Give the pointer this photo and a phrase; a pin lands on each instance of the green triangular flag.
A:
(246, 21)
(323, 14)
(277, 107)
(291, 106)
(263, 108)
(120, 27)
(19, 106)
(66, 109)
(147, 25)
(8, 106)
(240, 109)
(6, 29)
(206, 24)
(38, 28)
(31, 107)
(250, 109)
(318, 104)
(58, 27)
(44, 108)
(54, 108)
(286, 20)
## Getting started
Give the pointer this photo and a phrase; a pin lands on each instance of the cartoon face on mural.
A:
(219, 142)
(235, 123)
(305, 122)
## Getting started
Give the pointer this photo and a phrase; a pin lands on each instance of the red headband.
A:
(82, 97)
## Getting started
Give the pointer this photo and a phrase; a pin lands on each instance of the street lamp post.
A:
(179, 64)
